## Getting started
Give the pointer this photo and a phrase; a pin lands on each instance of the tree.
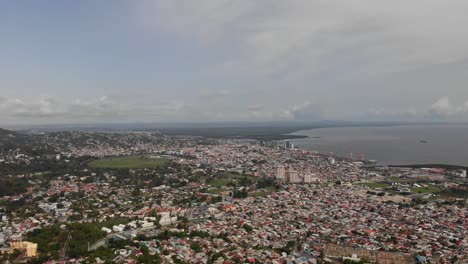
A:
(196, 246)
(247, 228)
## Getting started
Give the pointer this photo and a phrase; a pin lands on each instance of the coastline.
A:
(393, 147)
(441, 166)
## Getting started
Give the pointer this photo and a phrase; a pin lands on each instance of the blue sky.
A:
(232, 60)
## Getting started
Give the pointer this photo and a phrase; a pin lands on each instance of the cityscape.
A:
(233, 131)
(148, 198)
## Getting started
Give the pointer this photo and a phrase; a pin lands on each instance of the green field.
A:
(129, 162)
(218, 182)
(428, 189)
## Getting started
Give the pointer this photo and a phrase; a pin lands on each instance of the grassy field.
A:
(428, 189)
(129, 162)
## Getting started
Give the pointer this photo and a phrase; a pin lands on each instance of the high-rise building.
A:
(310, 178)
(307, 178)
(281, 173)
(294, 177)
(287, 144)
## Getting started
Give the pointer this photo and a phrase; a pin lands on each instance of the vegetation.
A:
(452, 192)
(240, 194)
(247, 228)
(48, 239)
(12, 186)
(196, 246)
(147, 258)
(81, 234)
(230, 179)
(265, 131)
(427, 189)
(51, 239)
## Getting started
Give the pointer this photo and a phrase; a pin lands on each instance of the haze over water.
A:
(392, 145)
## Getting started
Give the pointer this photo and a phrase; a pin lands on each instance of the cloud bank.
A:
(103, 108)
(236, 60)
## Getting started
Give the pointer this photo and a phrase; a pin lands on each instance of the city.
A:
(200, 200)
(233, 131)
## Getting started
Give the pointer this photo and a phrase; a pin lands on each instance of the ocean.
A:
(392, 145)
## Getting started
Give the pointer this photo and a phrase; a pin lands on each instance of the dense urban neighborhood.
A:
(144, 197)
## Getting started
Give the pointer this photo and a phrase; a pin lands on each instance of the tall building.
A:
(294, 177)
(310, 178)
(287, 144)
(307, 178)
(281, 173)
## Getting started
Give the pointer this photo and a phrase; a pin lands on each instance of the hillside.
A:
(11, 140)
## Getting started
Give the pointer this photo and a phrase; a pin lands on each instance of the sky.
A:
(233, 60)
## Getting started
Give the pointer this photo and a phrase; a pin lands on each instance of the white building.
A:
(118, 228)
(107, 230)
(147, 224)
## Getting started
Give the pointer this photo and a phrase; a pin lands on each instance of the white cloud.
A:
(353, 55)
(306, 111)
(303, 36)
(263, 60)
(443, 108)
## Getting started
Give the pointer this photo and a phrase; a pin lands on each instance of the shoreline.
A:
(431, 162)
(433, 165)
(413, 166)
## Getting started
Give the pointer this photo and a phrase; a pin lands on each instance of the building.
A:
(310, 178)
(294, 177)
(281, 174)
(31, 248)
(287, 144)
(463, 173)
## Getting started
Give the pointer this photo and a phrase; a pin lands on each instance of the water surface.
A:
(424, 144)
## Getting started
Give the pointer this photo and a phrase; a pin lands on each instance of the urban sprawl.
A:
(85, 197)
